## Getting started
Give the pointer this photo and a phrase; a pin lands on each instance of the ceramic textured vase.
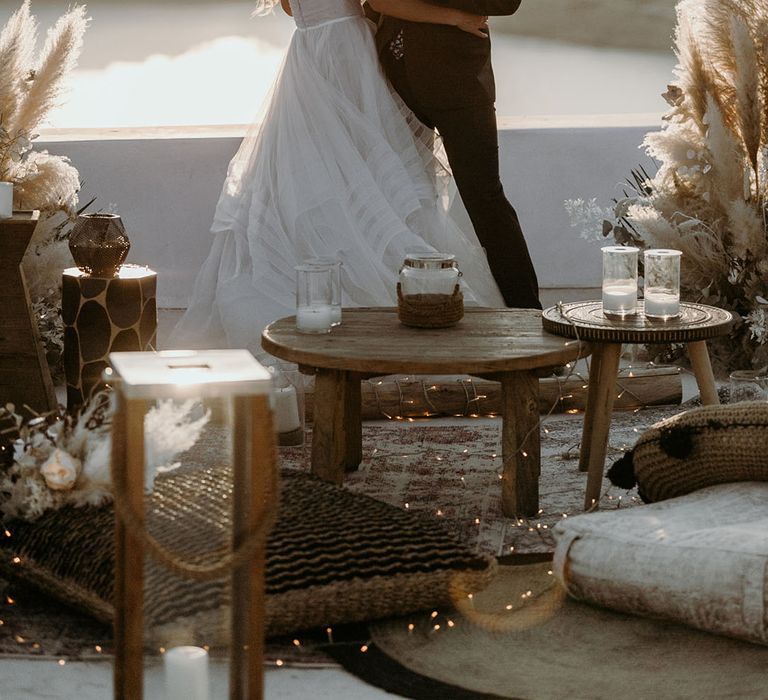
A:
(99, 244)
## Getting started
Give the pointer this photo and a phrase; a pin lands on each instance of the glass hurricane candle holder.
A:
(314, 299)
(748, 385)
(288, 403)
(662, 283)
(619, 280)
(6, 200)
(334, 266)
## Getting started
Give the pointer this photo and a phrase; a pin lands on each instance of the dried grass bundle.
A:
(17, 42)
(59, 57)
(29, 89)
(711, 185)
(708, 197)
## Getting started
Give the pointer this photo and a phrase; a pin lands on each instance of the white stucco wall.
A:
(165, 184)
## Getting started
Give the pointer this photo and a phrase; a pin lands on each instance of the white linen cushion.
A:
(699, 559)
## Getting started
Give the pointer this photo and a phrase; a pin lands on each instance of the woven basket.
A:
(430, 310)
(699, 448)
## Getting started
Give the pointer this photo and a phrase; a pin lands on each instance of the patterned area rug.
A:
(452, 468)
(449, 468)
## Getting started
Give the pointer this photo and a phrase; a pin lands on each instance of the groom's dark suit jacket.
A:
(448, 65)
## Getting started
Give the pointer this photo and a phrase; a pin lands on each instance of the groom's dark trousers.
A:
(444, 75)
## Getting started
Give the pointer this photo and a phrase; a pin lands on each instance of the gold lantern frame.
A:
(139, 379)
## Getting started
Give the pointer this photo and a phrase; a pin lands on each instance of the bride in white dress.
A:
(337, 167)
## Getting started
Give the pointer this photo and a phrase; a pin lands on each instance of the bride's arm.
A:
(418, 11)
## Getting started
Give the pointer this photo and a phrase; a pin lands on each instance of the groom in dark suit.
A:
(444, 75)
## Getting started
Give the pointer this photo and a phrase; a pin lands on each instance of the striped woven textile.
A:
(333, 557)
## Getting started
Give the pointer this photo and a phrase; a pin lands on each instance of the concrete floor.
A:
(41, 680)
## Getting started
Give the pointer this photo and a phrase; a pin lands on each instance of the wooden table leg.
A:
(336, 430)
(128, 429)
(255, 477)
(520, 444)
(702, 369)
(353, 422)
(594, 373)
(597, 420)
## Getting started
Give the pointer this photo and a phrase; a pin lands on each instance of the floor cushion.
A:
(332, 557)
(695, 449)
(700, 559)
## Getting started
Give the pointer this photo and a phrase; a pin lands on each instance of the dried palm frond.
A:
(709, 195)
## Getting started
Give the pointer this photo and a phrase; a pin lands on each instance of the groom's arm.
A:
(395, 8)
(475, 7)
(481, 7)
(431, 13)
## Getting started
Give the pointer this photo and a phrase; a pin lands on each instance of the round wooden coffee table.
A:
(585, 320)
(505, 345)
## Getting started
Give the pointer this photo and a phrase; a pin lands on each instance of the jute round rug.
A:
(522, 639)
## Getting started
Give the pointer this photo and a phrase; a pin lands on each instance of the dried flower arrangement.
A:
(708, 197)
(30, 87)
(53, 460)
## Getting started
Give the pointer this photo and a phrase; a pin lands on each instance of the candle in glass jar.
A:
(662, 305)
(286, 409)
(314, 319)
(186, 674)
(6, 200)
(620, 299)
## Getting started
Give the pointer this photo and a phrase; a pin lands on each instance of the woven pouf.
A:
(333, 557)
(699, 448)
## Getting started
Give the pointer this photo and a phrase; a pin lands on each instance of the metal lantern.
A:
(99, 244)
(240, 388)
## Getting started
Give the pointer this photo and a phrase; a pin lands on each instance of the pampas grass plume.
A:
(59, 57)
(17, 45)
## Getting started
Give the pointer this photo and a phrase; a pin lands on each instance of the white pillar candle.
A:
(620, 299)
(662, 305)
(186, 674)
(6, 200)
(314, 319)
(286, 409)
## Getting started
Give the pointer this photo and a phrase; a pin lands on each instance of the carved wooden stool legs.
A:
(597, 419)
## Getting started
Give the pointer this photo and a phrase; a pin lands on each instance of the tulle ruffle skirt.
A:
(337, 166)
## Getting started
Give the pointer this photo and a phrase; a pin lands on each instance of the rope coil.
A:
(228, 559)
(430, 310)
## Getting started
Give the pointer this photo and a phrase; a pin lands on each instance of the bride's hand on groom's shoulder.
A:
(472, 24)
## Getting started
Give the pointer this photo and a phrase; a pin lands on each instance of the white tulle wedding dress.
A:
(337, 166)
